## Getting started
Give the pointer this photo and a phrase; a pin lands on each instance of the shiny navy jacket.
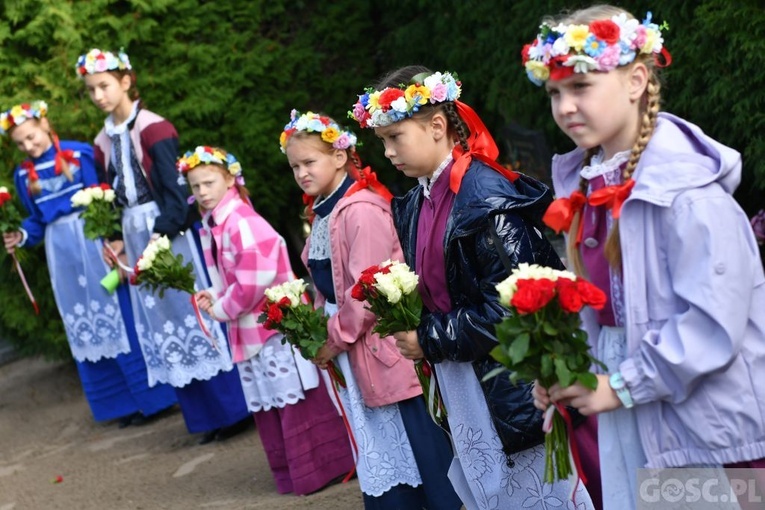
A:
(474, 267)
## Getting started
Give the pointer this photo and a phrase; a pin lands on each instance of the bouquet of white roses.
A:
(390, 290)
(303, 326)
(102, 219)
(158, 268)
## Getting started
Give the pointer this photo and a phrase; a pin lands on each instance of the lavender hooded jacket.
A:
(694, 300)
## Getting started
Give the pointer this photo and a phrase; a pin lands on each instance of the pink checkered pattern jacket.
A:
(251, 256)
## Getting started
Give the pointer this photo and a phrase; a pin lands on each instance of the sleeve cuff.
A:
(24, 237)
(635, 380)
(218, 311)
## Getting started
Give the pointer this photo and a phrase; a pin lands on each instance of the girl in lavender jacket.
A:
(403, 456)
(302, 434)
(684, 335)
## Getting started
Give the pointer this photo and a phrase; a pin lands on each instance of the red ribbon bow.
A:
(31, 172)
(481, 146)
(612, 197)
(368, 179)
(62, 156)
(561, 211)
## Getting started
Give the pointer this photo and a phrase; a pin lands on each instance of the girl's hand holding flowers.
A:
(541, 340)
(408, 344)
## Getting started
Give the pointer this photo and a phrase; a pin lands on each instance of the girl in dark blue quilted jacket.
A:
(463, 228)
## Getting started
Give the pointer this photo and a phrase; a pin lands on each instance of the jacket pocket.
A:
(383, 350)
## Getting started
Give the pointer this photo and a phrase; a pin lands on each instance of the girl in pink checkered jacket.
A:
(303, 435)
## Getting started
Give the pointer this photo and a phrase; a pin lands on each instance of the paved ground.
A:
(47, 431)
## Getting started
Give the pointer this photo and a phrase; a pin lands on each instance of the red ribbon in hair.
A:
(31, 172)
(561, 211)
(62, 156)
(481, 146)
(367, 179)
(667, 58)
(308, 201)
(612, 197)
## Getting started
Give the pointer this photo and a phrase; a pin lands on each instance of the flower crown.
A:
(379, 108)
(204, 155)
(603, 45)
(310, 122)
(97, 61)
(21, 113)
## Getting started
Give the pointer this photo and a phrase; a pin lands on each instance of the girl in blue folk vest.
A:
(99, 326)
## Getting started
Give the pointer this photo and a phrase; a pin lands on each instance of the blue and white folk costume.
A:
(98, 326)
(138, 159)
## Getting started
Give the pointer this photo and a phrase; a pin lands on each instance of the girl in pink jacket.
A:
(403, 457)
(303, 436)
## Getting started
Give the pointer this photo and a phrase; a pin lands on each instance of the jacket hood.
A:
(679, 157)
(485, 191)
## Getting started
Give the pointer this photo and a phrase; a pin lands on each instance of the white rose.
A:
(97, 193)
(506, 289)
(432, 80)
(77, 198)
(163, 243)
(386, 284)
(109, 195)
(144, 263)
(3, 189)
(85, 197)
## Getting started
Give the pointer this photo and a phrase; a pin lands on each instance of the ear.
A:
(230, 179)
(638, 81)
(340, 158)
(126, 82)
(45, 125)
(439, 125)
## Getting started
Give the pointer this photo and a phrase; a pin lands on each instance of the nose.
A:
(28, 145)
(97, 94)
(389, 152)
(566, 104)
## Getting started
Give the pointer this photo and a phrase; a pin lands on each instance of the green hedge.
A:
(228, 73)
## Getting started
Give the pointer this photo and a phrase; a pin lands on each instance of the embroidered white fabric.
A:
(599, 167)
(385, 455)
(174, 347)
(92, 318)
(270, 378)
(479, 471)
(427, 183)
(319, 248)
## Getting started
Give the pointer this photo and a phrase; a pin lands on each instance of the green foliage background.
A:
(228, 72)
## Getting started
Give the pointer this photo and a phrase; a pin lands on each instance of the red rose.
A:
(367, 279)
(568, 295)
(284, 302)
(4, 197)
(605, 30)
(357, 292)
(591, 295)
(558, 71)
(388, 96)
(426, 369)
(105, 186)
(275, 314)
(532, 295)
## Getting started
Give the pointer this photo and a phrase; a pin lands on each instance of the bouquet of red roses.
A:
(10, 221)
(390, 291)
(542, 340)
(303, 326)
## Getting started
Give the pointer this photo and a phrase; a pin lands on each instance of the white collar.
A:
(427, 183)
(112, 130)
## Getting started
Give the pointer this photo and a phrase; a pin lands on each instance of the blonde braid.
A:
(572, 250)
(613, 247)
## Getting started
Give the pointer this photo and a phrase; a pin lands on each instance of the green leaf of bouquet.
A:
(499, 354)
(549, 329)
(519, 347)
(588, 380)
(493, 373)
(546, 366)
(562, 372)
